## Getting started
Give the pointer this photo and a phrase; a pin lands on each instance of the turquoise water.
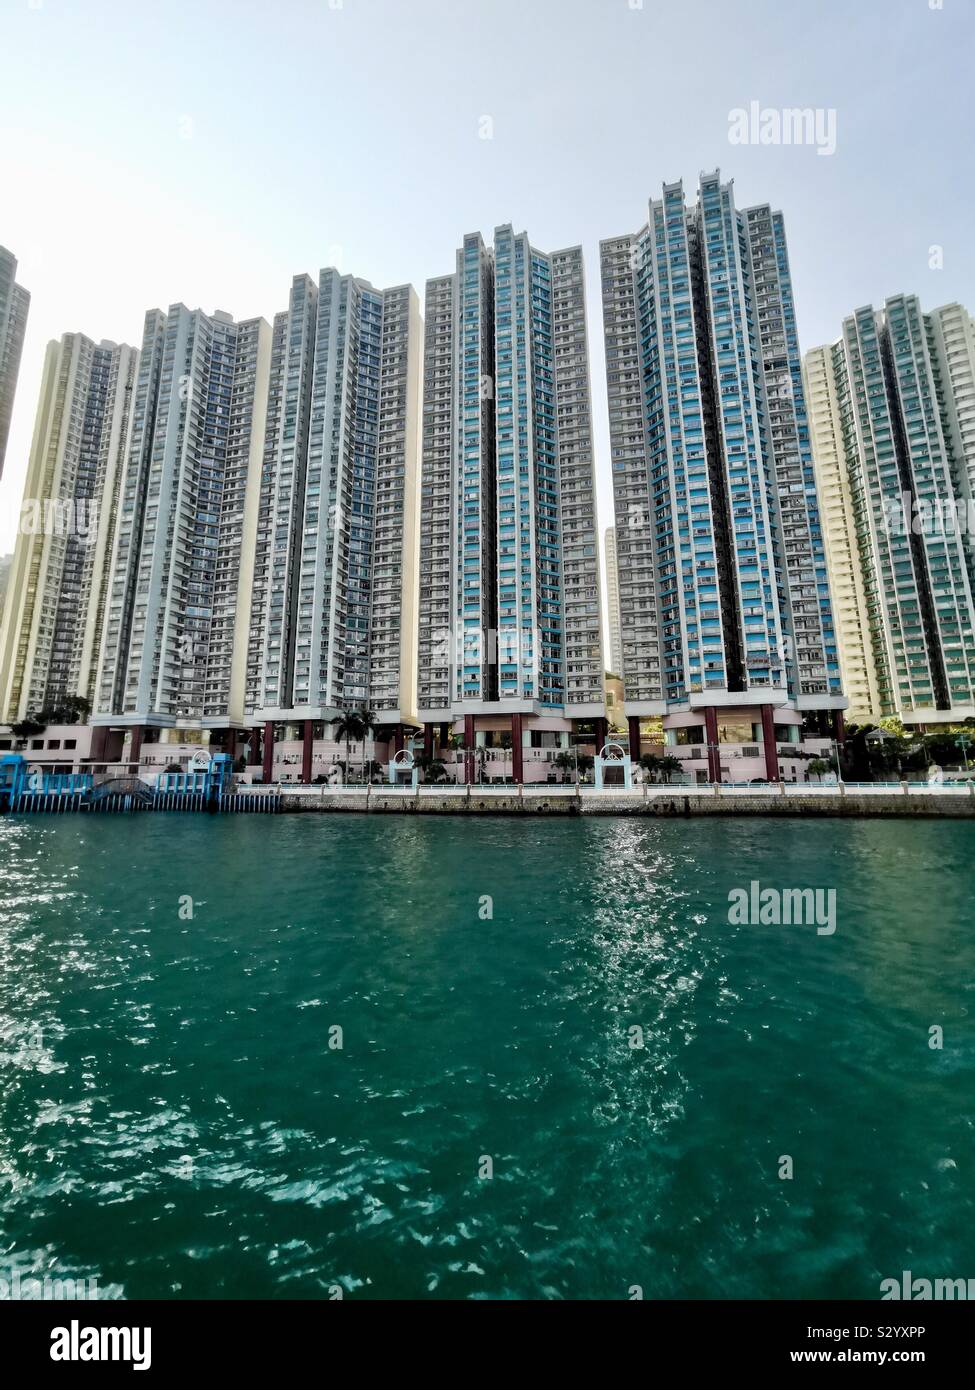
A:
(174, 1122)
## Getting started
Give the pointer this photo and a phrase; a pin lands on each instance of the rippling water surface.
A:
(175, 1123)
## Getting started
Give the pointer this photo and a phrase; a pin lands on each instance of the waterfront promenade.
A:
(216, 789)
(808, 799)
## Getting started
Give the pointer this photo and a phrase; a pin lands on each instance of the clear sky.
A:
(207, 150)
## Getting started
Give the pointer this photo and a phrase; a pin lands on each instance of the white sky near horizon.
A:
(206, 151)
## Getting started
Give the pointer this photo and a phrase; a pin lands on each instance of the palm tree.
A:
(432, 768)
(668, 766)
(70, 709)
(565, 761)
(29, 727)
(351, 728)
(354, 726)
(423, 762)
(650, 764)
(369, 726)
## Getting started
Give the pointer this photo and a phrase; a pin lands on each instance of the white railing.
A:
(874, 788)
(810, 789)
(647, 791)
(318, 790)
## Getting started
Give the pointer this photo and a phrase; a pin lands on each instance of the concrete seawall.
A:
(657, 802)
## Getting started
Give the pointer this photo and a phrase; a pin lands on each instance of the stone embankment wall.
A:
(660, 802)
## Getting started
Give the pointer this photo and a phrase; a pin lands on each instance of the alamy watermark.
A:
(926, 1290)
(19, 1285)
(77, 517)
(783, 907)
(25, 1041)
(929, 516)
(77, 1343)
(518, 646)
(755, 124)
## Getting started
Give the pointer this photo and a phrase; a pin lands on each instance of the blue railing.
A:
(199, 789)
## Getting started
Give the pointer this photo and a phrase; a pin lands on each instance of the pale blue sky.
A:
(208, 150)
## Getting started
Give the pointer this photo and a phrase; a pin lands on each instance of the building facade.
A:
(724, 599)
(50, 637)
(14, 304)
(613, 603)
(183, 557)
(334, 618)
(234, 553)
(862, 656)
(951, 336)
(894, 443)
(510, 646)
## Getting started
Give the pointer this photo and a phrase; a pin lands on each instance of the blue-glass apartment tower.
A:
(509, 645)
(724, 596)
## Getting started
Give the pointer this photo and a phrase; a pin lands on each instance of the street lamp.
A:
(835, 755)
(880, 736)
(963, 742)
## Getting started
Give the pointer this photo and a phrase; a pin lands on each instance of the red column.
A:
(839, 726)
(517, 749)
(398, 739)
(99, 742)
(633, 724)
(254, 747)
(444, 737)
(135, 749)
(602, 733)
(268, 750)
(308, 731)
(469, 749)
(768, 738)
(428, 740)
(711, 738)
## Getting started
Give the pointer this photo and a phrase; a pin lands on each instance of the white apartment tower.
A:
(893, 432)
(49, 642)
(854, 593)
(14, 304)
(256, 551)
(613, 603)
(333, 624)
(182, 565)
